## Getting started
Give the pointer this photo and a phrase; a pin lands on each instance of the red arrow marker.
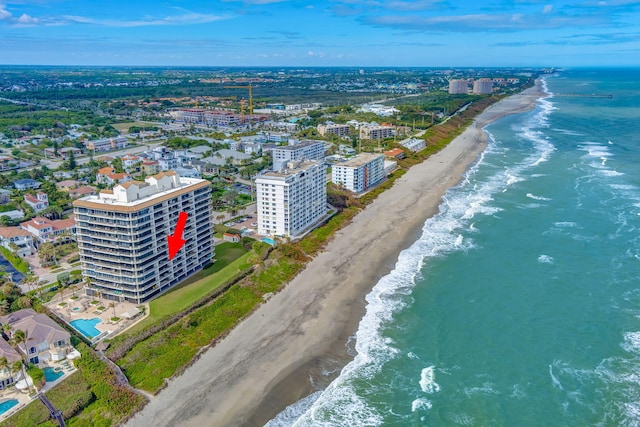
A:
(175, 241)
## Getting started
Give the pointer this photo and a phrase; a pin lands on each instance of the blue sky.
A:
(320, 33)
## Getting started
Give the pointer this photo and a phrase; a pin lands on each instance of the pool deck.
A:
(72, 307)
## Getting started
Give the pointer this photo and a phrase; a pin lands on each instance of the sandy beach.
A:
(282, 351)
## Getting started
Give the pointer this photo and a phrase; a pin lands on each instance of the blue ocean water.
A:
(520, 303)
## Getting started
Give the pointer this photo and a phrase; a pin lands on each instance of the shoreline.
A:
(284, 350)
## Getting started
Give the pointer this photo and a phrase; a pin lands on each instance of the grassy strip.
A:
(17, 262)
(89, 397)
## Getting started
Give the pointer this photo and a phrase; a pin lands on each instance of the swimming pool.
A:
(7, 404)
(51, 375)
(268, 240)
(87, 327)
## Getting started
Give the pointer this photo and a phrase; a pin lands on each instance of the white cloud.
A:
(23, 21)
(547, 9)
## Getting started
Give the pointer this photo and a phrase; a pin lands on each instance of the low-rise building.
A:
(359, 173)
(395, 153)
(107, 144)
(150, 167)
(22, 239)
(334, 128)
(414, 144)
(376, 132)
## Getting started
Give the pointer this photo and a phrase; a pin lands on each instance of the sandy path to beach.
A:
(271, 358)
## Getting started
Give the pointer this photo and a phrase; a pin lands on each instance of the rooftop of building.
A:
(135, 195)
(292, 169)
(360, 160)
(301, 144)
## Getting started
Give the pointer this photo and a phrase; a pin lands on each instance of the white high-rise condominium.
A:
(359, 173)
(122, 236)
(291, 201)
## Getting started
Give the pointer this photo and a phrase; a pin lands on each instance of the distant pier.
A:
(585, 95)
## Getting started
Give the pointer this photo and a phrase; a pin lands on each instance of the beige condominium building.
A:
(122, 236)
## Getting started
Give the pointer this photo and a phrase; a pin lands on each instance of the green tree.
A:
(117, 165)
(71, 161)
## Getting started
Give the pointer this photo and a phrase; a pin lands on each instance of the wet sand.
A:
(297, 341)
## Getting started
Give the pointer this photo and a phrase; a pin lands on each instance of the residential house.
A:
(45, 339)
(65, 152)
(188, 172)
(237, 158)
(10, 236)
(46, 230)
(107, 175)
(200, 149)
(39, 202)
(7, 377)
(129, 161)
(7, 163)
(67, 185)
(85, 190)
(26, 184)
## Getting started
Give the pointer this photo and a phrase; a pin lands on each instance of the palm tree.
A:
(4, 363)
(4, 307)
(18, 337)
(112, 305)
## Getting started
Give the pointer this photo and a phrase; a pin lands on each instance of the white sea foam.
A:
(291, 413)
(565, 224)
(486, 388)
(632, 342)
(545, 259)
(428, 382)
(531, 196)
(554, 379)
(420, 404)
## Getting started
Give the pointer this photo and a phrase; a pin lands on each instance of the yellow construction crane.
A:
(250, 97)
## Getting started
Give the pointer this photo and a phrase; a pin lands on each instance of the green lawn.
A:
(231, 258)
